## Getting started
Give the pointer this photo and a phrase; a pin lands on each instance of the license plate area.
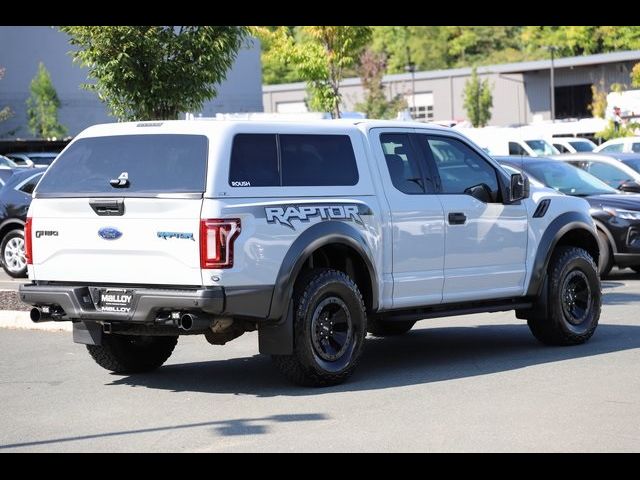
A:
(114, 300)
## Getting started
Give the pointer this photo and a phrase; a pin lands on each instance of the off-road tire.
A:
(556, 327)
(388, 328)
(306, 366)
(132, 353)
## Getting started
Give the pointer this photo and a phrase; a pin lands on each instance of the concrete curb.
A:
(20, 320)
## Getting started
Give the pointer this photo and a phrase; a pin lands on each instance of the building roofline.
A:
(518, 67)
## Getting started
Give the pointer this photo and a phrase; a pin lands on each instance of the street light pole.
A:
(411, 67)
(553, 86)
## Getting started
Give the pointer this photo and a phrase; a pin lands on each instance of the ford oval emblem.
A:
(109, 233)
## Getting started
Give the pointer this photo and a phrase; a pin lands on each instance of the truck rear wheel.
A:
(574, 299)
(330, 325)
(132, 353)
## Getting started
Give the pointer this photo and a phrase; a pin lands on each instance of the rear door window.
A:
(163, 163)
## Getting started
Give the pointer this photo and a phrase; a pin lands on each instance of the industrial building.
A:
(521, 91)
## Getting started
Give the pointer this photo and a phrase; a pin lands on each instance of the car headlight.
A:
(623, 214)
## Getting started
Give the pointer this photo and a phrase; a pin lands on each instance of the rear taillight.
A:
(28, 246)
(216, 242)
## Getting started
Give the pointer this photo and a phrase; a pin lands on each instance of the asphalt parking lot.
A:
(475, 383)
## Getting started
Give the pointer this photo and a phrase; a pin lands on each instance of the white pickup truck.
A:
(314, 233)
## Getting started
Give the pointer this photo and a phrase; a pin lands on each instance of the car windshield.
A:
(582, 146)
(566, 178)
(542, 147)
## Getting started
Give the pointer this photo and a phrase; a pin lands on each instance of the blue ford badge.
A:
(109, 233)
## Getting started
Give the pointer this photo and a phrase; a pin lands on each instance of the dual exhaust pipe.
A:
(191, 322)
(45, 314)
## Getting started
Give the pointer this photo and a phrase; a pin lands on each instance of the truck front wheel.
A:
(132, 353)
(330, 325)
(574, 299)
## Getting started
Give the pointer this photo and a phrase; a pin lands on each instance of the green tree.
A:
(5, 112)
(635, 75)
(42, 106)
(155, 72)
(319, 55)
(624, 130)
(375, 105)
(478, 100)
(599, 102)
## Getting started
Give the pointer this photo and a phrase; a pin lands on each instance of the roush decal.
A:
(285, 214)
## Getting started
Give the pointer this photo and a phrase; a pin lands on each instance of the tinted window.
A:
(635, 147)
(460, 167)
(635, 164)
(305, 161)
(254, 161)
(402, 162)
(561, 148)
(541, 147)
(43, 159)
(516, 149)
(615, 147)
(582, 146)
(153, 163)
(30, 185)
(608, 173)
(317, 160)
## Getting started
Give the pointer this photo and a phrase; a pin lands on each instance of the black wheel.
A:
(574, 299)
(132, 353)
(605, 264)
(330, 325)
(12, 251)
(387, 328)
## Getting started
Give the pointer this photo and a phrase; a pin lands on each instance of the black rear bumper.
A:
(148, 304)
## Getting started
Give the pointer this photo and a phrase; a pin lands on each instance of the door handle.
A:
(457, 218)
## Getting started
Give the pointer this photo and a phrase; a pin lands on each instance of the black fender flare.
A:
(8, 221)
(276, 335)
(313, 238)
(559, 227)
(601, 227)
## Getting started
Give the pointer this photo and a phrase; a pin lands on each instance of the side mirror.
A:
(630, 186)
(519, 187)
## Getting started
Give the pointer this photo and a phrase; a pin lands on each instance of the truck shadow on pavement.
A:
(421, 356)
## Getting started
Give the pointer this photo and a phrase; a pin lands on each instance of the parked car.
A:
(15, 198)
(620, 145)
(5, 174)
(616, 214)
(509, 141)
(7, 163)
(607, 168)
(629, 159)
(573, 144)
(37, 159)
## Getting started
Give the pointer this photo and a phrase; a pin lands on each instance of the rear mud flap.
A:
(277, 338)
(87, 333)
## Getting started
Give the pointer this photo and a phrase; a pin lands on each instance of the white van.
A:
(499, 141)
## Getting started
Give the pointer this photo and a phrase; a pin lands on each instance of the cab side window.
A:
(402, 162)
(613, 148)
(516, 149)
(461, 169)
